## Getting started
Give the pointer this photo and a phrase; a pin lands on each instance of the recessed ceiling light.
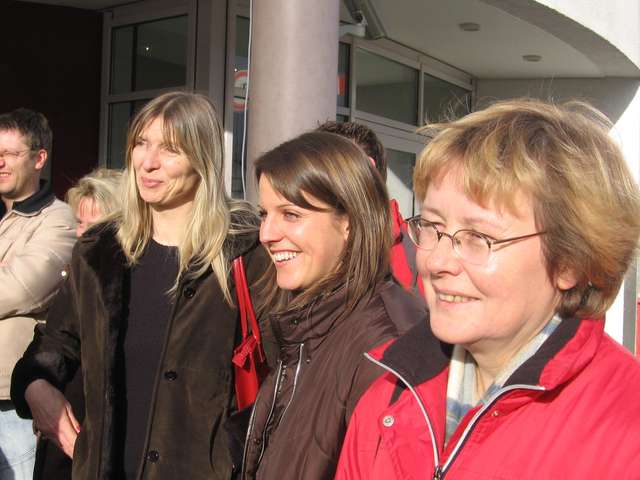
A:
(532, 58)
(469, 26)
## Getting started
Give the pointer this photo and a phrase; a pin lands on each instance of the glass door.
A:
(401, 160)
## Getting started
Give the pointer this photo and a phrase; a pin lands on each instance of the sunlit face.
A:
(87, 214)
(19, 166)
(305, 245)
(165, 177)
(496, 307)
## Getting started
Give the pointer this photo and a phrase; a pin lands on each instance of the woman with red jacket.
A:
(529, 221)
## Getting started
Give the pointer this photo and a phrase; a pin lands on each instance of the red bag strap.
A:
(239, 278)
(247, 314)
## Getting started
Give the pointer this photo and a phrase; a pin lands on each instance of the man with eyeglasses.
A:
(37, 234)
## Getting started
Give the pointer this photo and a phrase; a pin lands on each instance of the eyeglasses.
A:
(9, 155)
(471, 246)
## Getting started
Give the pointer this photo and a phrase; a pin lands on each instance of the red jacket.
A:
(572, 411)
(403, 254)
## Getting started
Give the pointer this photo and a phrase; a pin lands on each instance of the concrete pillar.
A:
(293, 76)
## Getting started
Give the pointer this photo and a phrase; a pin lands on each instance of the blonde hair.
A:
(335, 171)
(190, 125)
(562, 156)
(103, 186)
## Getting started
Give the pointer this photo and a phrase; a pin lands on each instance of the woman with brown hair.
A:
(529, 221)
(325, 223)
(147, 312)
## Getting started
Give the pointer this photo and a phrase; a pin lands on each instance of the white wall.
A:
(615, 20)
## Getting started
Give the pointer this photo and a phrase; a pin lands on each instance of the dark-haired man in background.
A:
(37, 233)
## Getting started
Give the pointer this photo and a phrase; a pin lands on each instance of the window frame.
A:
(393, 134)
(141, 12)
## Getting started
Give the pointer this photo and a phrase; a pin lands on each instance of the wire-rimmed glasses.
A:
(471, 246)
(12, 155)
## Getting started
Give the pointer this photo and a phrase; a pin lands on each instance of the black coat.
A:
(51, 462)
(193, 390)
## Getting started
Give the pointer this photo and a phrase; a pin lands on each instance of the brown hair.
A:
(562, 156)
(33, 125)
(336, 172)
(366, 139)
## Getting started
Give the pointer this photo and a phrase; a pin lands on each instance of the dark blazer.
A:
(193, 392)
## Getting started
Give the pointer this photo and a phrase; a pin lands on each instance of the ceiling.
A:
(495, 51)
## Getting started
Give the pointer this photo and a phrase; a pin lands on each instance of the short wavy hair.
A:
(103, 186)
(364, 137)
(562, 156)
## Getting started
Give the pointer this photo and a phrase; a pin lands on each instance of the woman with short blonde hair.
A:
(564, 158)
(530, 219)
(96, 196)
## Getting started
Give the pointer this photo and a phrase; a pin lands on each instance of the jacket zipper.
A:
(273, 404)
(474, 420)
(436, 457)
(295, 382)
(252, 420)
(440, 471)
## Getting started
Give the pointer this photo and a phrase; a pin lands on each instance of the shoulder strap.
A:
(247, 314)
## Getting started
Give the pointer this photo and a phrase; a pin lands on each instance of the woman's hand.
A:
(52, 415)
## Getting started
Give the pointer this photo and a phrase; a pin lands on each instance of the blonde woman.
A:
(529, 221)
(148, 312)
(96, 195)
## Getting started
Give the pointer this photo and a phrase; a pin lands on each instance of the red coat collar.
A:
(419, 356)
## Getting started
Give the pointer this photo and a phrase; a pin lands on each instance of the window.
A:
(443, 100)
(400, 166)
(239, 103)
(149, 49)
(150, 55)
(386, 88)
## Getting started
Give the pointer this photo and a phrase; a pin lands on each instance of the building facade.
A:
(275, 68)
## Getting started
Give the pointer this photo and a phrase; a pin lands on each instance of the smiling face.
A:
(20, 167)
(165, 177)
(305, 245)
(495, 308)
